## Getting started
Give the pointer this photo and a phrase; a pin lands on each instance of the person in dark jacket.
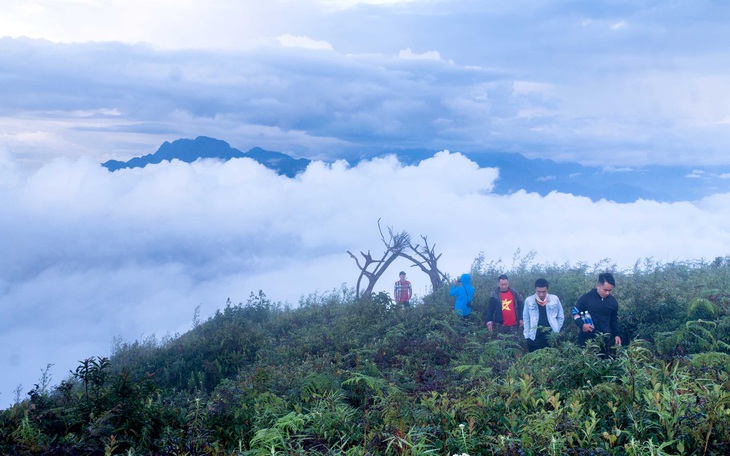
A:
(603, 310)
(504, 311)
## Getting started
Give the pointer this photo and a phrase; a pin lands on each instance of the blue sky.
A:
(92, 255)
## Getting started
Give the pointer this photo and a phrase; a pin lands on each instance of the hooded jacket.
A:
(464, 295)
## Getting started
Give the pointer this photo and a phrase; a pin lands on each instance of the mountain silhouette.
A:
(516, 172)
(190, 150)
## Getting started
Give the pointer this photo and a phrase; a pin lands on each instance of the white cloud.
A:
(189, 24)
(410, 55)
(532, 87)
(341, 4)
(302, 42)
(132, 253)
(389, 79)
(695, 174)
(616, 169)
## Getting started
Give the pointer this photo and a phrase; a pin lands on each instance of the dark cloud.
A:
(125, 100)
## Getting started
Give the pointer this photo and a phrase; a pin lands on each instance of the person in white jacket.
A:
(542, 313)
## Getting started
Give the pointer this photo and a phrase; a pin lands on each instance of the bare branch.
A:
(396, 245)
(372, 269)
(428, 262)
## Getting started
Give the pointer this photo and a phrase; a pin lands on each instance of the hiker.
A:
(464, 292)
(542, 313)
(403, 291)
(504, 312)
(602, 314)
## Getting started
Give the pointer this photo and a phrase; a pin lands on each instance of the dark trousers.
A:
(533, 345)
(541, 339)
(606, 342)
(509, 330)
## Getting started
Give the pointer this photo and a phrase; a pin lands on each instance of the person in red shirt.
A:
(504, 312)
(403, 291)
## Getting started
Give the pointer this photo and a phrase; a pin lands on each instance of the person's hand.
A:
(522, 323)
(489, 325)
(588, 328)
(618, 340)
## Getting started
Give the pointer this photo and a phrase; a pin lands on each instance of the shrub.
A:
(343, 376)
(702, 309)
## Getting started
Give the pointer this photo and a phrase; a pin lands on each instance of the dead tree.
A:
(427, 261)
(373, 269)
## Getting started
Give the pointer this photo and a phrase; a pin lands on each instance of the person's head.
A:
(541, 289)
(402, 275)
(503, 282)
(605, 285)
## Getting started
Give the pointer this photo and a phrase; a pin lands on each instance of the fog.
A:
(91, 255)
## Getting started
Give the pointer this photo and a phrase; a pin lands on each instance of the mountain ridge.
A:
(190, 150)
(516, 172)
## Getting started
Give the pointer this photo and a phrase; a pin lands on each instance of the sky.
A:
(92, 256)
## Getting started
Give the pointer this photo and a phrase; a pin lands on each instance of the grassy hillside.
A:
(341, 376)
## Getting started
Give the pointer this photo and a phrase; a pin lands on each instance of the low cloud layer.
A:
(92, 255)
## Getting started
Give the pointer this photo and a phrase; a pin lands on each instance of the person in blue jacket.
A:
(464, 293)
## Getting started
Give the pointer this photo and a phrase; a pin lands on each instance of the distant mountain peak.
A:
(516, 172)
(190, 150)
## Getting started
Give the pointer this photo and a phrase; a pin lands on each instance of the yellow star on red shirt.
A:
(506, 304)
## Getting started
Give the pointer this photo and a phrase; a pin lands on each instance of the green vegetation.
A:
(340, 376)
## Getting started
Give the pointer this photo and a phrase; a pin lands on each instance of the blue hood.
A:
(464, 295)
